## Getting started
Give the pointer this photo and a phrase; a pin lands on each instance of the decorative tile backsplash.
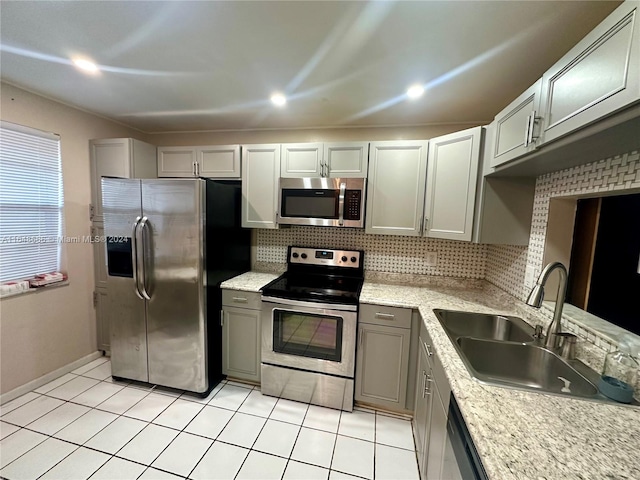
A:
(384, 253)
(506, 264)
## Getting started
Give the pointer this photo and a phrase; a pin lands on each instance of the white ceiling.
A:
(187, 66)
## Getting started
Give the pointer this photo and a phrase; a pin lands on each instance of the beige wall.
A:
(44, 331)
(304, 135)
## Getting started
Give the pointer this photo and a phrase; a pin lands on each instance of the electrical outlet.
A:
(529, 276)
(431, 259)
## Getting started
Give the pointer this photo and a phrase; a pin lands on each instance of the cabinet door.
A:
(102, 320)
(177, 161)
(451, 184)
(422, 410)
(260, 173)
(395, 197)
(513, 135)
(109, 158)
(346, 160)
(437, 436)
(382, 364)
(597, 77)
(219, 161)
(241, 343)
(302, 160)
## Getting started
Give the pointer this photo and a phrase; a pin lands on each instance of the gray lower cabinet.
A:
(382, 360)
(241, 336)
(430, 415)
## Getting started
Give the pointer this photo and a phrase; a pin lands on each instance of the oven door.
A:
(309, 336)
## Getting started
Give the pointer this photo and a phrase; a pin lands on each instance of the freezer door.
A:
(125, 310)
(173, 278)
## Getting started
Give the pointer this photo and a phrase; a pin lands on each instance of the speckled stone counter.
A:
(518, 434)
(249, 282)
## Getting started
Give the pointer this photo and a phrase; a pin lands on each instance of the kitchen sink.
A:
(485, 326)
(522, 365)
(501, 350)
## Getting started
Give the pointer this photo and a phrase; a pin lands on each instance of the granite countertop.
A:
(518, 434)
(249, 281)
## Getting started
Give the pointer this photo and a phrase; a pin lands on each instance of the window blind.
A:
(31, 202)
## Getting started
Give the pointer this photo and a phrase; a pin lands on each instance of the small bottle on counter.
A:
(619, 375)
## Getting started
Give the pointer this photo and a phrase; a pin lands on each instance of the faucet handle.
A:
(537, 334)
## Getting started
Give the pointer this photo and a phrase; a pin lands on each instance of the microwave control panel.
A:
(352, 204)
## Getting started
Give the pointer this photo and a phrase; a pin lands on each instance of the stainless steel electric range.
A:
(309, 327)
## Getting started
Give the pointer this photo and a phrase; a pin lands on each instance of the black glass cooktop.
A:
(315, 288)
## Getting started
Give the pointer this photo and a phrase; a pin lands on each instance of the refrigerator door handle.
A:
(134, 252)
(142, 226)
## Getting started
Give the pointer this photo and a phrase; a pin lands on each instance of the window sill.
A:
(35, 290)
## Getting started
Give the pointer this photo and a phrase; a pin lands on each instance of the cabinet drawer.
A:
(239, 298)
(388, 316)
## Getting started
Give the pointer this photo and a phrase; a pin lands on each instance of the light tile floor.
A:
(87, 425)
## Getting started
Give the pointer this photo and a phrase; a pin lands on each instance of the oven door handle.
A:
(283, 302)
(343, 187)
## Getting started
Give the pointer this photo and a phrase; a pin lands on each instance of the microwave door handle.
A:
(343, 187)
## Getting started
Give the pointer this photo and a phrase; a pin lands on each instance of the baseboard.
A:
(43, 380)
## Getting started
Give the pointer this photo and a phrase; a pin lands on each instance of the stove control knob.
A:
(304, 255)
(353, 259)
(344, 259)
(295, 255)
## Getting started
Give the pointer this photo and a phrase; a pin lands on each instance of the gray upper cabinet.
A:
(597, 77)
(451, 184)
(302, 160)
(504, 205)
(260, 174)
(396, 185)
(335, 160)
(346, 160)
(516, 126)
(119, 158)
(210, 161)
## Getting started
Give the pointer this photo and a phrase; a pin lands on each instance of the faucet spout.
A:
(537, 295)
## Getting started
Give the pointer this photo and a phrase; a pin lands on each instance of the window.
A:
(31, 202)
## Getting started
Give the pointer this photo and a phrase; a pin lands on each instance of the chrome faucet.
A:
(537, 295)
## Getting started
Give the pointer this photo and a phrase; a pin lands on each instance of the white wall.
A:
(44, 331)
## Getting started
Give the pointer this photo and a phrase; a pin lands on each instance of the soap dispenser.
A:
(619, 375)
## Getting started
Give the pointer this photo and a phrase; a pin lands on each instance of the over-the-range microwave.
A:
(324, 202)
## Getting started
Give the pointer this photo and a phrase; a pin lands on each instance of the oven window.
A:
(307, 335)
(303, 203)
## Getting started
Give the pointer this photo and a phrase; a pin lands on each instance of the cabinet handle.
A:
(193, 169)
(222, 318)
(322, 169)
(424, 381)
(197, 169)
(240, 299)
(526, 131)
(427, 389)
(385, 316)
(429, 352)
(532, 127)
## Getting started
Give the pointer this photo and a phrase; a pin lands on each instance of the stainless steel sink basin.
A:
(501, 350)
(524, 366)
(485, 326)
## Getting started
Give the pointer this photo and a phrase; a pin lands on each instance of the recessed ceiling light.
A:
(85, 65)
(278, 99)
(415, 91)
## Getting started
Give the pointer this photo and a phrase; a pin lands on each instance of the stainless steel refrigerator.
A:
(170, 243)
